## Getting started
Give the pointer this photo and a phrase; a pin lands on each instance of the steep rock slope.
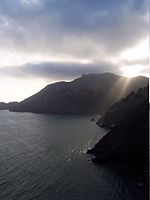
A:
(128, 141)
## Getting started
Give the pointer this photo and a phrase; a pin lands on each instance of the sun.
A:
(132, 71)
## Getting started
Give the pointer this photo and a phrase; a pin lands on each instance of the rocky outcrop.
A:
(93, 93)
(128, 141)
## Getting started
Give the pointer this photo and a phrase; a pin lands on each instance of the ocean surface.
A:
(42, 157)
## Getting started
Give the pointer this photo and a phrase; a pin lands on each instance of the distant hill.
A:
(123, 107)
(7, 106)
(3, 106)
(93, 93)
(128, 141)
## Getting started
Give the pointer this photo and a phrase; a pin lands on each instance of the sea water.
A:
(42, 157)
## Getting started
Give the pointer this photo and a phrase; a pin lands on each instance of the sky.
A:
(44, 41)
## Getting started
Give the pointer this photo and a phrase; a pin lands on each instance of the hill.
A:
(7, 106)
(123, 107)
(93, 93)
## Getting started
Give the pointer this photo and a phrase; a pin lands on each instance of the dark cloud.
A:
(51, 70)
(81, 28)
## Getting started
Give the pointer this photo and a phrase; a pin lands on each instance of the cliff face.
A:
(128, 141)
(123, 107)
(93, 93)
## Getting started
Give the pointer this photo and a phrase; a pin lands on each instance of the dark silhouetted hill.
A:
(123, 107)
(93, 93)
(7, 106)
(3, 106)
(128, 141)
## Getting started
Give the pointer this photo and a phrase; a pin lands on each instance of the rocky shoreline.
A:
(128, 141)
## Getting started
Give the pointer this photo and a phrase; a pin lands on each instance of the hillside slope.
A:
(123, 107)
(93, 93)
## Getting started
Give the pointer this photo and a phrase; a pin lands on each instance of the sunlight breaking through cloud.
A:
(91, 36)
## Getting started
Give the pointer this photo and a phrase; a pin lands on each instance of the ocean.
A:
(42, 157)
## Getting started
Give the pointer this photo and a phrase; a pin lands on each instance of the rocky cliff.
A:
(128, 141)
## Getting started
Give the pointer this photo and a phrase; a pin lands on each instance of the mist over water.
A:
(42, 157)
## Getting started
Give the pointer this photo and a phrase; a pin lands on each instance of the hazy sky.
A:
(43, 41)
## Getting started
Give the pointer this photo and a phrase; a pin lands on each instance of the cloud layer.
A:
(81, 28)
(56, 70)
(62, 39)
